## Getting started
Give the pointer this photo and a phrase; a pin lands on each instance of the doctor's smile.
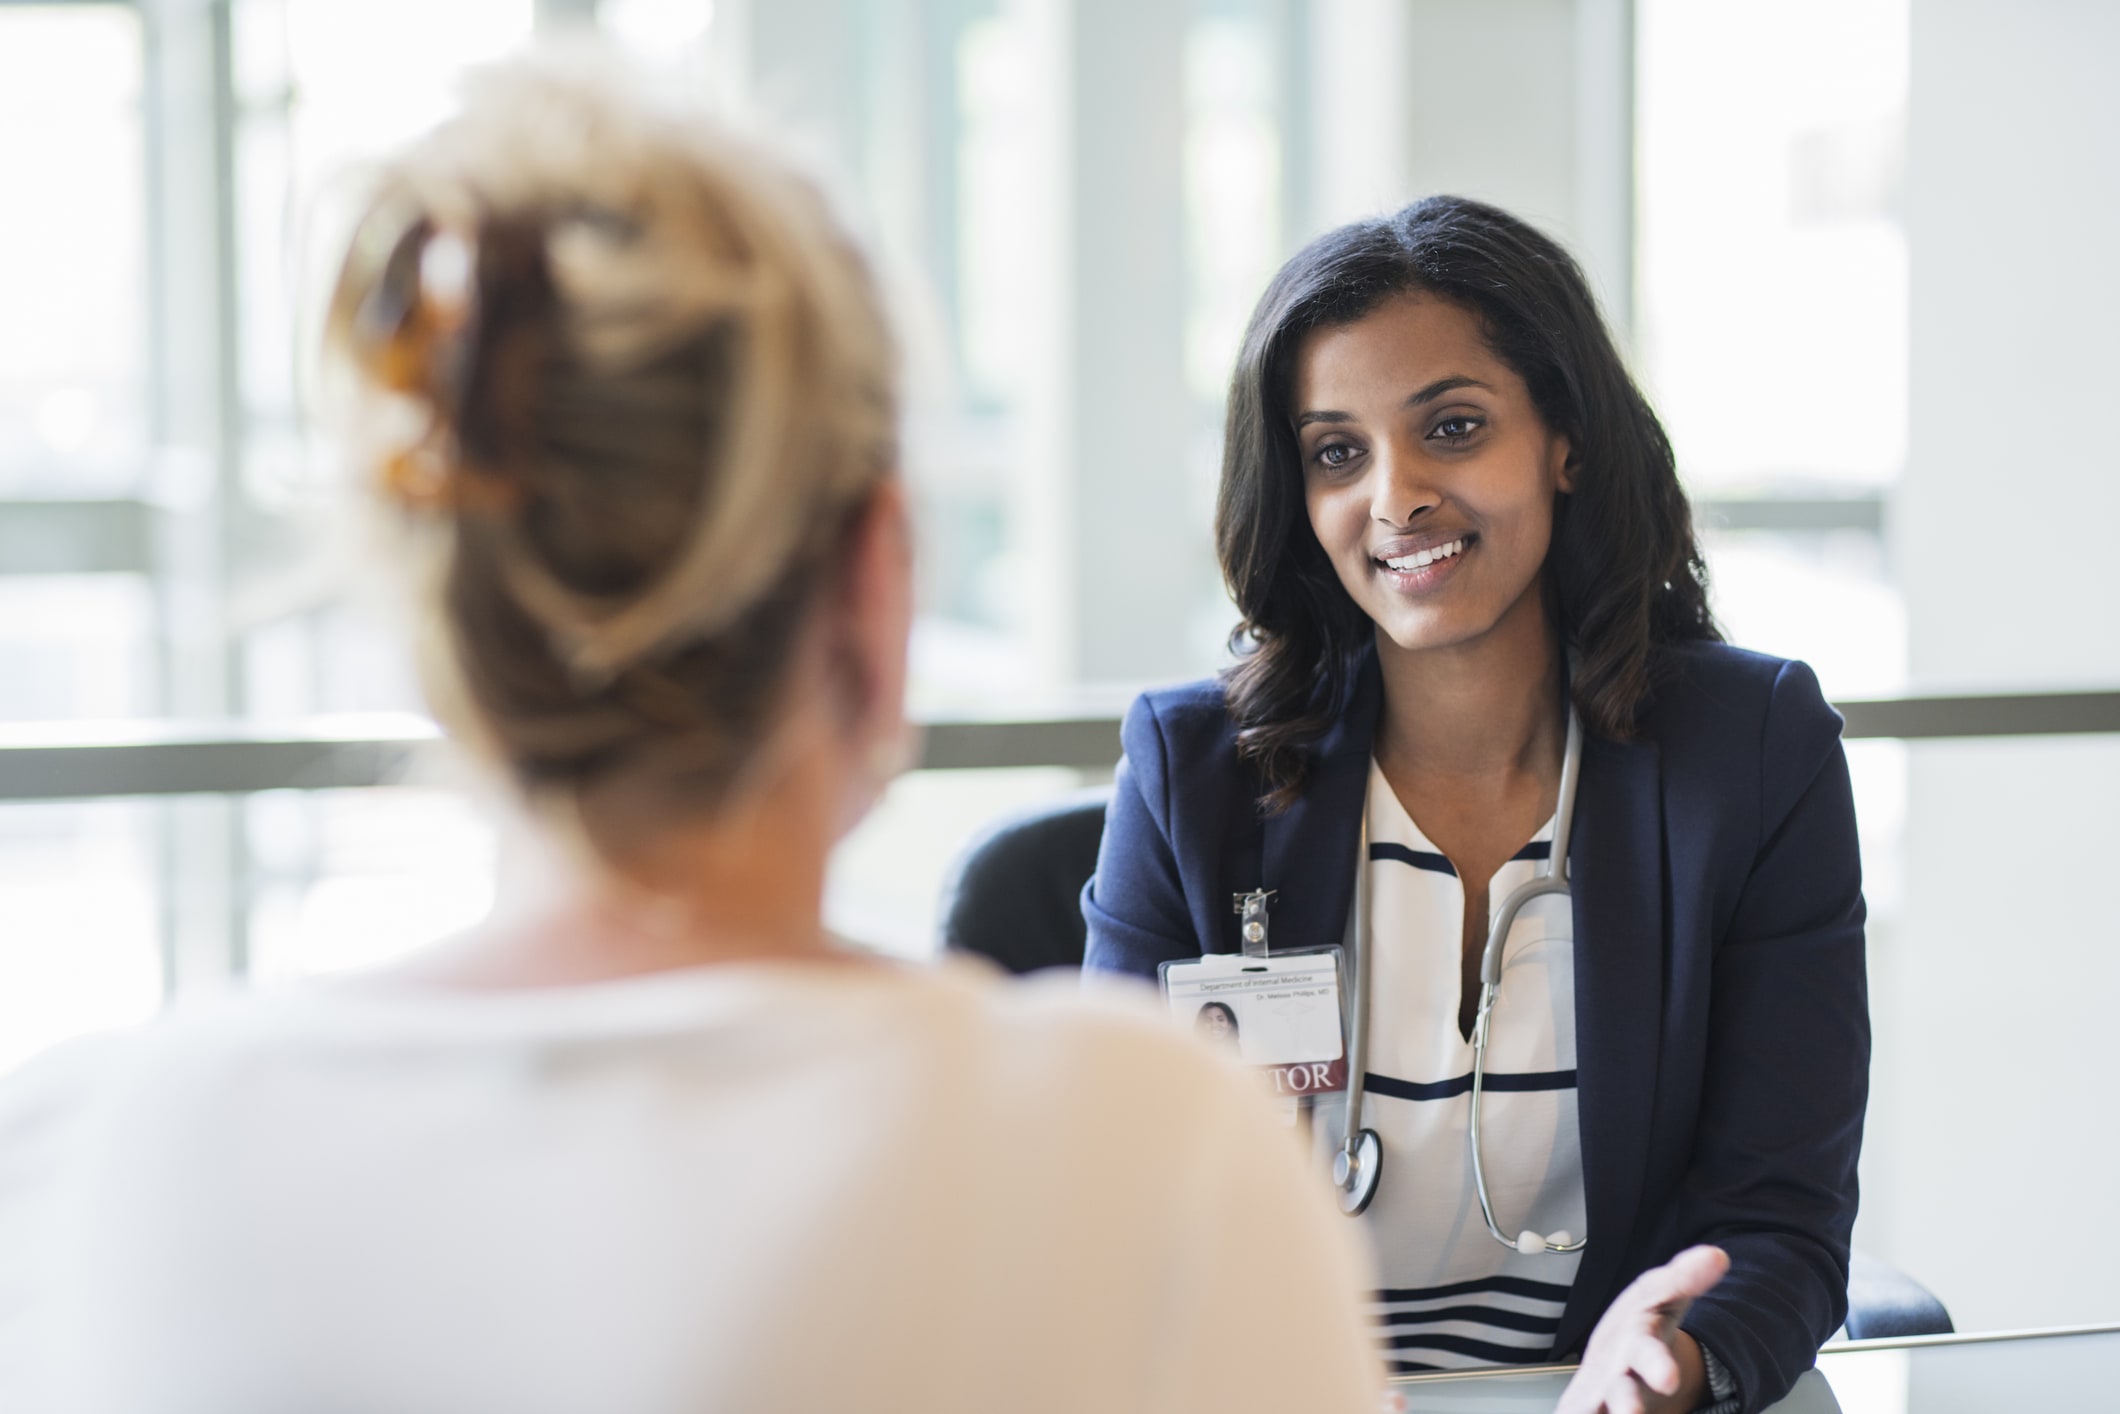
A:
(1414, 570)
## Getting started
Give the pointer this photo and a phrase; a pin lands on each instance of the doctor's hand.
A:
(1638, 1360)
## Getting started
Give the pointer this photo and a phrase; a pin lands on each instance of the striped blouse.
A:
(1452, 1296)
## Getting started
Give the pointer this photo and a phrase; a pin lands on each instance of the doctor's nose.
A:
(1400, 492)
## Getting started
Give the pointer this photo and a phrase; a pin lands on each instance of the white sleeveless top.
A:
(1452, 1296)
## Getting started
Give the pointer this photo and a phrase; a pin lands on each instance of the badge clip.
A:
(1252, 908)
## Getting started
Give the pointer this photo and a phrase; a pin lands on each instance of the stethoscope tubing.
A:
(1552, 879)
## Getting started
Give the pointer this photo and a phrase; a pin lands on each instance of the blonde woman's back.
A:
(782, 1186)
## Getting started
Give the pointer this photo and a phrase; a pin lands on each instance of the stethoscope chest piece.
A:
(1354, 1171)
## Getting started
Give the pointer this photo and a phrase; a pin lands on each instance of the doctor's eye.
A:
(1333, 456)
(1456, 429)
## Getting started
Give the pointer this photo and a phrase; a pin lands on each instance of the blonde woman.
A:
(663, 1146)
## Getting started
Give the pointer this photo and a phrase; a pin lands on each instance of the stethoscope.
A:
(1355, 1167)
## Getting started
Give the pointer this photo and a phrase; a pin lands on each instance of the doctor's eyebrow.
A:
(1426, 395)
(1441, 386)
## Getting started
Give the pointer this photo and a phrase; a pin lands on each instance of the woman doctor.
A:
(1452, 525)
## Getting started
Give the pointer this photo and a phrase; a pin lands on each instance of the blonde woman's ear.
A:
(879, 593)
(876, 609)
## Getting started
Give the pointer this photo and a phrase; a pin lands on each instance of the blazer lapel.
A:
(1617, 873)
(1307, 851)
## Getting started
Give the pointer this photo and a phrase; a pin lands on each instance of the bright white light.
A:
(390, 871)
(79, 949)
(66, 419)
(1868, 1381)
(1232, 192)
(658, 30)
(72, 264)
(1773, 259)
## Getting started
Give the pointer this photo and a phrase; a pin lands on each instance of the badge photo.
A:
(1280, 1013)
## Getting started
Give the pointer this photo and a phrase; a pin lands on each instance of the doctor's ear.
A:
(1569, 465)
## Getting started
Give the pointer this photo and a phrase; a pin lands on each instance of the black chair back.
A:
(1886, 1303)
(1015, 894)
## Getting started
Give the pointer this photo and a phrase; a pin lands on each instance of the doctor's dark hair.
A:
(1624, 573)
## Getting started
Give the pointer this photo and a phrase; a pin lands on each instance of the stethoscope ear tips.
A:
(1531, 1244)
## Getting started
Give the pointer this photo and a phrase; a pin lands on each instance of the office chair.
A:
(1884, 1302)
(1014, 896)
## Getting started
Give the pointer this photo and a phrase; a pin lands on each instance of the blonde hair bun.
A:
(643, 383)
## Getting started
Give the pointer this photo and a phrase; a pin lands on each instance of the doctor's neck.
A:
(1491, 704)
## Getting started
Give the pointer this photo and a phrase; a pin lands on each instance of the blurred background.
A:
(1859, 251)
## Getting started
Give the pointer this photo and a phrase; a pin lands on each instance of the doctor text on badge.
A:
(1309, 1077)
(1280, 1013)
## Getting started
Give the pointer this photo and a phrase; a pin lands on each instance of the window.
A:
(1772, 330)
(73, 366)
(1772, 287)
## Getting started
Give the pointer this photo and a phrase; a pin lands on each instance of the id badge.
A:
(1281, 1013)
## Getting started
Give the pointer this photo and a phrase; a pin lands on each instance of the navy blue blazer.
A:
(1722, 1018)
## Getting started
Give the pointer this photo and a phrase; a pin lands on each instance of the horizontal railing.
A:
(2002, 714)
(100, 761)
(119, 535)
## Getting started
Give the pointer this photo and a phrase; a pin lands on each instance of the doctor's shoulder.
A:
(1179, 761)
(1184, 724)
(1708, 696)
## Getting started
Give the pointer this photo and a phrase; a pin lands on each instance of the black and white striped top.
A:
(1452, 1297)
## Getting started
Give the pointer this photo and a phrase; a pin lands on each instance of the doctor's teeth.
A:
(1426, 557)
